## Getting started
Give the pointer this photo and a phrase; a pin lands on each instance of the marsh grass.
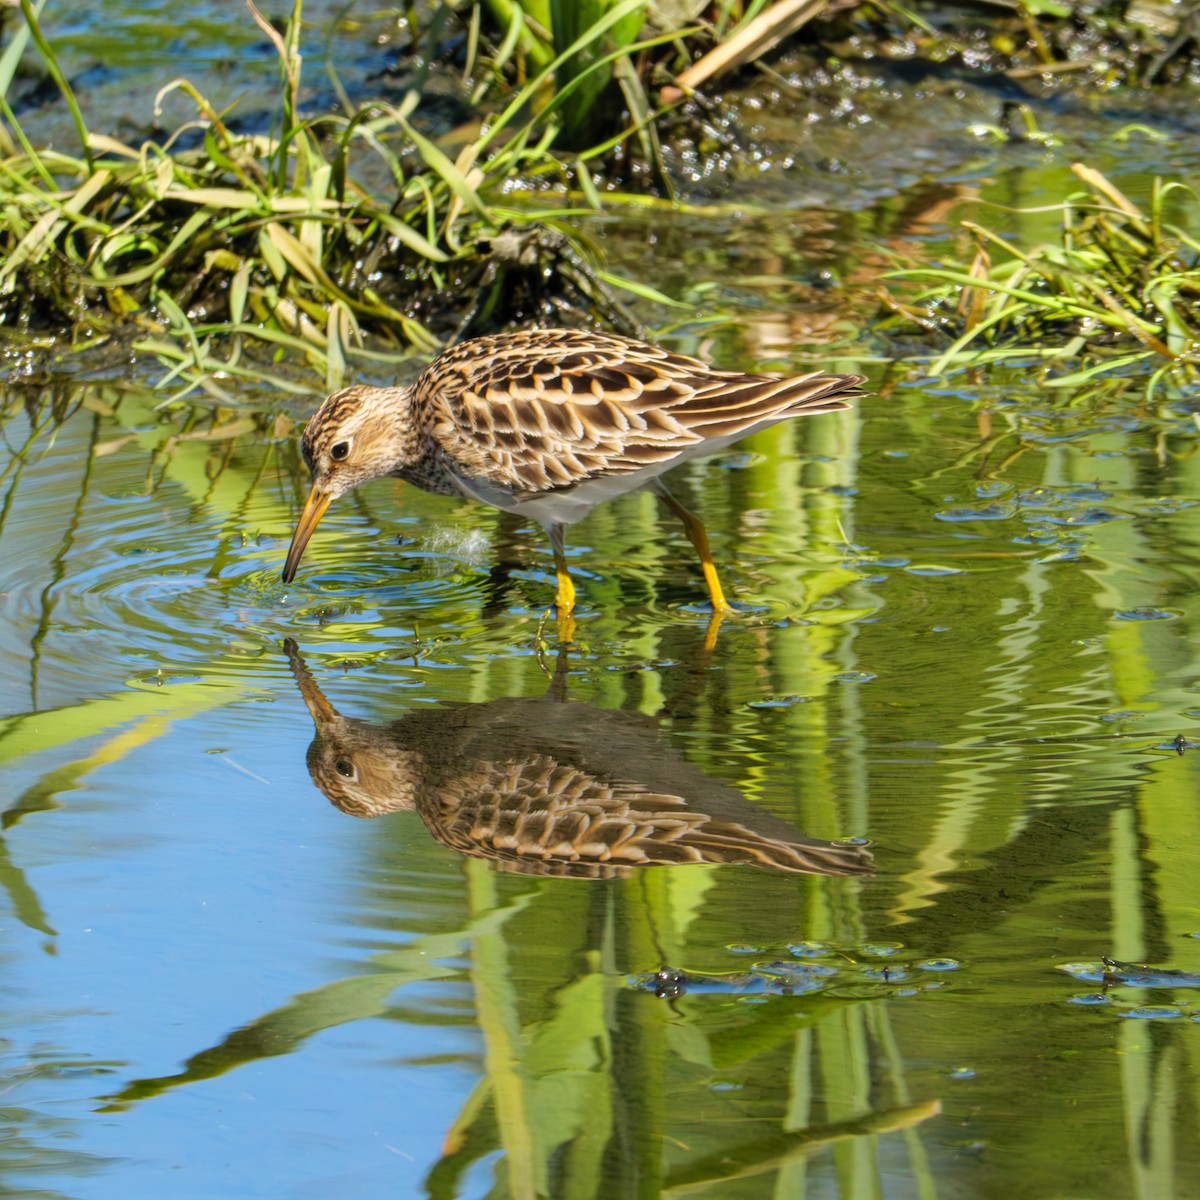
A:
(223, 249)
(1116, 292)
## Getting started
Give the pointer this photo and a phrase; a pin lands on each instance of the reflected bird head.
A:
(358, 767)
(361, 775)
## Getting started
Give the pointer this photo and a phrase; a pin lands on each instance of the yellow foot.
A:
(564, 597)
(566, 626)
(714, 627)
(564, 601)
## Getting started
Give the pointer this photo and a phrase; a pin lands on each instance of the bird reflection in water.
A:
(551, 787)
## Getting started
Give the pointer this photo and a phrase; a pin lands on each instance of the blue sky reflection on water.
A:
(970, 641)
(187, 899)
(269, 991)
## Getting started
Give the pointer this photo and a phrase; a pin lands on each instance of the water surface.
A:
(966, 640)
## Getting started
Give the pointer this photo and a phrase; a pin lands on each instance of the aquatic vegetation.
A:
(1116, 291)
(587, 65)
(214, 242)
(224, 251)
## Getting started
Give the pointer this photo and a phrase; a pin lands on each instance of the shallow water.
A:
(967, 642)
(966, 639)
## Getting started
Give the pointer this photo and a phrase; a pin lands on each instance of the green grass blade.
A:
(60, 80)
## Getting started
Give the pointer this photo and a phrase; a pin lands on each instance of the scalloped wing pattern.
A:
(543, 816)
(541, 410)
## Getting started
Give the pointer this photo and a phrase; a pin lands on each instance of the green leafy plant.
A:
(269, 241)
(1117, 288)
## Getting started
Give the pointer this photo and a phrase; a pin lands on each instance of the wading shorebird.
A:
(547, 423)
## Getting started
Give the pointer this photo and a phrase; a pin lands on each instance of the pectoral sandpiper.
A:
(552, 787)
(548, 423)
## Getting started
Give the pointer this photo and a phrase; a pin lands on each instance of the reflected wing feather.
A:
(547, 814)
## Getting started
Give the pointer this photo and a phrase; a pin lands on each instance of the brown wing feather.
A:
(546, 409)
(542, 816)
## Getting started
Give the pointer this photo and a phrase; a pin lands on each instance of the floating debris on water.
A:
(1113, 974)
(1144, 614)
(1161, 1013)
(840, 975)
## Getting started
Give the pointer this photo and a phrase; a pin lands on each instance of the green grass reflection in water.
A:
(978, 674)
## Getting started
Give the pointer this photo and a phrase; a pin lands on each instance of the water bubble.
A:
(1091, 971)
(808, 949)
(986, 491)
(980, 512)
(884, 974)
(1165, 505)
(1085, 516)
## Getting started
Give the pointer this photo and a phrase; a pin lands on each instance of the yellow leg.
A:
(564, 597)
(699, 539)
(710, 633)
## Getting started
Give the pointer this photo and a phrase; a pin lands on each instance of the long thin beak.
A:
(321, 711)
(314, 509)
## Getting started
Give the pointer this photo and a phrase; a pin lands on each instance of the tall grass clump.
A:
(586, 66)
(216, 243)
(605, 54)
(1116, 291)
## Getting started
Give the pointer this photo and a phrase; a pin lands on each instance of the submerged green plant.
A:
(1118, 288)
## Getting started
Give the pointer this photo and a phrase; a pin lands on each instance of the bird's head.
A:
(358, 434)
(361, 771)
(361, 768)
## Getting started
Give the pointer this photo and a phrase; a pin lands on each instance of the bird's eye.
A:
(338, 452)
(344, 767)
